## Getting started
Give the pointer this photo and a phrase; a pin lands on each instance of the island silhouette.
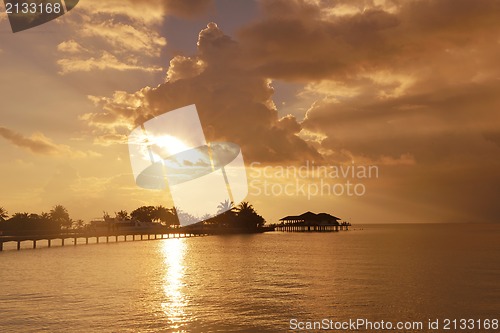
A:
(152, 221)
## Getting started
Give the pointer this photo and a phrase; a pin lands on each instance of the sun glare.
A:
(169, 145)
(175, 301)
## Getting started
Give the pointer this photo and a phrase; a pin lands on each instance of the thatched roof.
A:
(310, 216)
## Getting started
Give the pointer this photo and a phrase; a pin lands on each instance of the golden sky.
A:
(412, 87)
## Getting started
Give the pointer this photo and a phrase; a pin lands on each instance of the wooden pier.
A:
(115, 237)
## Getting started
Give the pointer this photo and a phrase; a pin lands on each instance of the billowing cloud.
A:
(234, 104)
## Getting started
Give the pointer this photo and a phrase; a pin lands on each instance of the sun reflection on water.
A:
(175, 301)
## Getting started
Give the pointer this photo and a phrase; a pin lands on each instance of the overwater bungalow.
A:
(310, 221)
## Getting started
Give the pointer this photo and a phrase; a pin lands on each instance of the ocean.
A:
(400, 274)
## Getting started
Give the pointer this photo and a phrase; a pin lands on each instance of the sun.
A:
(168, 145)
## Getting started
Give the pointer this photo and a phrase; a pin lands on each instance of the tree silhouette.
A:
(26, 223)
(20, 218)
(79, 224)
(144, 214)
(245, 208)
(59, 214)
(225, 206)
(3, 213)
(248, 218)
(226, 211)
(45, 217)
(122, 215)
(165, 216)
(206, 217)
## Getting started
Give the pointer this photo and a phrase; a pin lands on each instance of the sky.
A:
(409, 87)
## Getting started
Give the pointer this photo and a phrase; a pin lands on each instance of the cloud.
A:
(411, 86)
(113, 35)
(126, 38)
(187, 8)
(306, 40)
(234, 104)
(121, 34)
(70, 46)
(106, 61)
(39, 144)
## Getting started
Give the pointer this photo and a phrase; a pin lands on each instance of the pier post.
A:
(141, 236)
(62, 241)
(48, 242)
(18, 245)
(76, 241)
(1, 246)
(34, 244)
(125, 238)
(87, 240)
(133, 237)
(116, 239)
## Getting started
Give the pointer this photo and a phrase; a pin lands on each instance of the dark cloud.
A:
(401, 81)
(371, 126)
(187, 8)
(304, 40)
(493, 136)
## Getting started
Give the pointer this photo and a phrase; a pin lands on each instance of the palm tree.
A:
(79, 224)
(206, 217)
(45, 217)
(248, 217)
(60, 215)
(225, 206)
(226, 212)
(3, 213)
(122, 215)
(165, 216)
(245, 209)
(20, 217)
